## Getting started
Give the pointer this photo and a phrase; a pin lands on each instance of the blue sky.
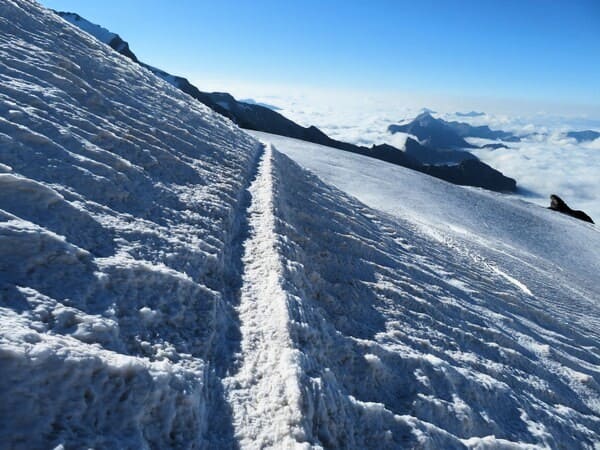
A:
(527, 50)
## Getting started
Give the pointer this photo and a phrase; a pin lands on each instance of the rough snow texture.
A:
(451, 322)
(167, 282)
(120, 208)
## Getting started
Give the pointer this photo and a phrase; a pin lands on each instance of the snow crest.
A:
(265, 392)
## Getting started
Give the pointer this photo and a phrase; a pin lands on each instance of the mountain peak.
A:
(426, 115)
(439, 133)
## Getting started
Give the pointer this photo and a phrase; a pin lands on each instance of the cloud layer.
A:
(550, 164)
(544, 163)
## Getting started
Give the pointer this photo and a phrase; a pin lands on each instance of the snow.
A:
(265, 393)
(166, 281)
(120, 202)
(100, 33)
(471, 310)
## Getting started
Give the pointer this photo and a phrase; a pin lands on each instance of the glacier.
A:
(168, 280)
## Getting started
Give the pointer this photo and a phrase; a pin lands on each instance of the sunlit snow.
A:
(167, 281)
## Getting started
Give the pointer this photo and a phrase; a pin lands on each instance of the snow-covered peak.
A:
(100, 33)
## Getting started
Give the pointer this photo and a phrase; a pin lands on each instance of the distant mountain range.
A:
(468, 171)
(441, 134)
(583, 136)
(470, 114)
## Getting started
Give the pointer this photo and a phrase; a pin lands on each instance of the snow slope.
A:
(454, 315)
(168, 282)
(120, 220)
(100, 33)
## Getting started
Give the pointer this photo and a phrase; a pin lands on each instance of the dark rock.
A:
(558, 204)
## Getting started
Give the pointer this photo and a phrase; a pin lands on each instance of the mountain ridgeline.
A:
(584, 136)
(463, 169)
(439, 133)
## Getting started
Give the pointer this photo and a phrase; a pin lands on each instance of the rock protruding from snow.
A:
(558, 204)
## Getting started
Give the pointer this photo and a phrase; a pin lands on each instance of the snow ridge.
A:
(265, 392)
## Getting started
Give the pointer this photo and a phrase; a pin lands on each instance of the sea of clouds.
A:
(545, 162)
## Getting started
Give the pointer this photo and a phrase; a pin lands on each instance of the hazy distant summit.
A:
(449, 135)
(584, 136)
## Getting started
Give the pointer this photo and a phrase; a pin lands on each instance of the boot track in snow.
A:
(265, 392)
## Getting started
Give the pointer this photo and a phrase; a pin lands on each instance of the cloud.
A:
(552, 164)
(544, 163)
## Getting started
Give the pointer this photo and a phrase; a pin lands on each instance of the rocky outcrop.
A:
(558, 204)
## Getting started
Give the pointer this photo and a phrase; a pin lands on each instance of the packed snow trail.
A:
(265, 393)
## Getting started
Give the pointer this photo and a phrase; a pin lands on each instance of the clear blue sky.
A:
(523, 49)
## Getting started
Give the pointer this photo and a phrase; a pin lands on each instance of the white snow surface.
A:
(477, 314)
(100, 33)
(166, 281)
